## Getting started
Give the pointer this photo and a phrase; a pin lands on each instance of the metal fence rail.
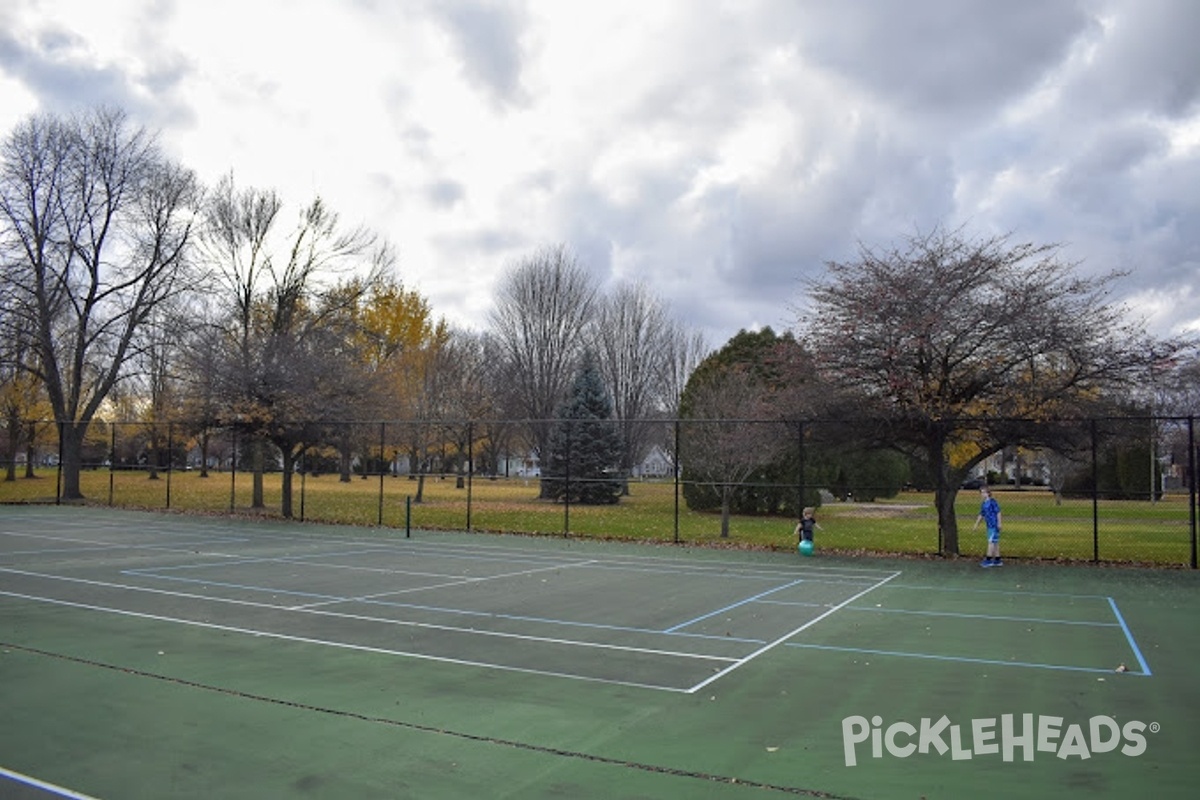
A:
(1099, 490)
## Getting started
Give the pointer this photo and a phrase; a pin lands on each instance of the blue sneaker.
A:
(987, 562)
(997, 562)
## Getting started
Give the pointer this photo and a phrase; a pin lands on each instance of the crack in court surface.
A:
(414, 726)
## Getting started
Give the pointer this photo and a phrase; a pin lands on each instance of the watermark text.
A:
(1006, 737)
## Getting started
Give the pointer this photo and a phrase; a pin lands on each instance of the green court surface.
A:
(148, 655)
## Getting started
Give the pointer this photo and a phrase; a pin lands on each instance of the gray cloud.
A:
(939, 55)
(445, 193)
(1101, 177)
(486, 36)
(49, 68)
(54, 66)
(724, 154)
(1146, 58)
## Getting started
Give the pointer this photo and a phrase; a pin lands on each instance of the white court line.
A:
(450, 580)
(336, 614)
(349, 646)
(1010, 592)
(39, 784)
(963, 615)
(786, 636)
(955, 659)
(289, 558)
(477, 550)
(365, 599)
(56, 538)
(731, 606)
(312, 559)
(184, 545)
(670, 565)
(456, 582)
(1120, 623)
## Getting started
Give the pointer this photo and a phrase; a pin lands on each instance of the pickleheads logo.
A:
(1028, 735)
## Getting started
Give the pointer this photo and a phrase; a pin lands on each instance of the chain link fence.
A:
(1099, 490)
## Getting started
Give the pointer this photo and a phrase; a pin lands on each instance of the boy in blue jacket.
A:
(989, 513)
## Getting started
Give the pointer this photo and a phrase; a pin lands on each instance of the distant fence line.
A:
(763, 468)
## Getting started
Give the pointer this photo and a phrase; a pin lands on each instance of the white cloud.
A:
(721, 152)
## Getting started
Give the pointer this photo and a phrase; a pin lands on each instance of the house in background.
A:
(656, 464)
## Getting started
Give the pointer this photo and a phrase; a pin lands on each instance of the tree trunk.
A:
(725, 494)
(30, 449)
(204, 453)
(945, 491)
(344, 454)
(256, 465)
(152, 458)
(289, 468)
(72, 434)
(14, 444)
(947, 521)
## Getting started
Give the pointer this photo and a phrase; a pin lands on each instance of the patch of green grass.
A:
(1036, 525)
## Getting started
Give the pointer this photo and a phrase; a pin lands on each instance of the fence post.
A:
(675, 469)
(58, 469)
(567, 483)
(170, 458)
(382, 445)
(1095, 497)
(303, 479)
(470, 469)
(112, 463)
(233, 473)
(1192, 483)
(800, 477)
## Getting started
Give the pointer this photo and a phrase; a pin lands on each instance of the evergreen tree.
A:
(585, 444)
(835, 455)
(755, 360)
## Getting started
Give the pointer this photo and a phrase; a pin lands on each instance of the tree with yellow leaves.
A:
(399, 341)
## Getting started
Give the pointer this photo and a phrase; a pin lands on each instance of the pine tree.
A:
(585, 445)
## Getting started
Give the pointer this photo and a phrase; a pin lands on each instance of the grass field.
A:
(1035, 526)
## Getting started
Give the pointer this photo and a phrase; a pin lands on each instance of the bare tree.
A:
(1059, 466)
(1175, 385)
(544, 307)
(950, 339)
(200, 409)
(633, 345)
(95, 225)
(728, 436)
(686, 349)
(496, 432)
(286, 324)
(464, 394)
(159, 367)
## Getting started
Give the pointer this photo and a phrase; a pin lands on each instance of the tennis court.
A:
(155, 655)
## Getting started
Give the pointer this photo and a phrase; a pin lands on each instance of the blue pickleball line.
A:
(1129, 636)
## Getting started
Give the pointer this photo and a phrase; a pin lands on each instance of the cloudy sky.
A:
(720, 150)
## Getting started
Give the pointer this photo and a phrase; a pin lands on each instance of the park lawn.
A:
(1035, 524)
